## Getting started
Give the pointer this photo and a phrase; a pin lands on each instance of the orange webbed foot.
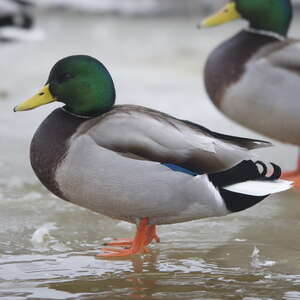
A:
(145, 234)
(119, 242)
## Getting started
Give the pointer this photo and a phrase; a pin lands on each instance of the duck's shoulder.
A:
(283, 54)
(244, 45)
(138, 111)
(226, 64)
(135, 118)
(236, 51)
(128, 125)
(131, 117)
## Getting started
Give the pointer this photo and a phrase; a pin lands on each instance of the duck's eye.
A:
(65, 77)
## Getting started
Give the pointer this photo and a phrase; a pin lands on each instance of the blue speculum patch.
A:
(176, 168)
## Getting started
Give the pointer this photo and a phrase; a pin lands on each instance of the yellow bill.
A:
(226, 14)
(41, 98)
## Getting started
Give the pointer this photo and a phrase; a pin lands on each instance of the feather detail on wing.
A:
(246, 143)
(146, 134)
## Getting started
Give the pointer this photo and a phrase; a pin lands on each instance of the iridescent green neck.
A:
(268, 15)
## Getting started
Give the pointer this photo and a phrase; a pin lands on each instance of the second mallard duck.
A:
(254, 77)
(136, 164)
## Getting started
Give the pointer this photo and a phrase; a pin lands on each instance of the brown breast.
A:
(226, 63)
(49, 145)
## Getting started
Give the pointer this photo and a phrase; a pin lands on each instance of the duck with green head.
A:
(136, 164)
(254, 77)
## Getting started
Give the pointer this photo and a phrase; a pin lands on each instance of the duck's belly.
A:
(128, 189)
(267, 100)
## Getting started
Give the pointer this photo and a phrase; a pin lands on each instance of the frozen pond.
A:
(47, 246)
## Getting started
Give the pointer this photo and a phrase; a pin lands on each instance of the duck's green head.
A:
(268, 15)
(81, 82)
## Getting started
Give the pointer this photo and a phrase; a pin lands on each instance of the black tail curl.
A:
(276, 171)
(244, 171)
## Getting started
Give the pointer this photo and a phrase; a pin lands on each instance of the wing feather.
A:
(142, 133)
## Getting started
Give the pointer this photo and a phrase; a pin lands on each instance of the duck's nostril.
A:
(41, 94)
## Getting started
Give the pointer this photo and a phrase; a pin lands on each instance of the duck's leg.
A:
(128, 242)
(144, 235)
(293, 175)
(153, 234)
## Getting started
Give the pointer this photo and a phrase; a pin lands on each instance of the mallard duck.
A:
(254, 77)
(136, 164)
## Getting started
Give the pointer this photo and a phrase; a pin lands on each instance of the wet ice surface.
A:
(47, 246)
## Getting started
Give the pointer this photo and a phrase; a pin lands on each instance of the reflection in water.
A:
(131, 282)
(158, 276)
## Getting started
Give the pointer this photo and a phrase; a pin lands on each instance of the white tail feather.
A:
(260, 187)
